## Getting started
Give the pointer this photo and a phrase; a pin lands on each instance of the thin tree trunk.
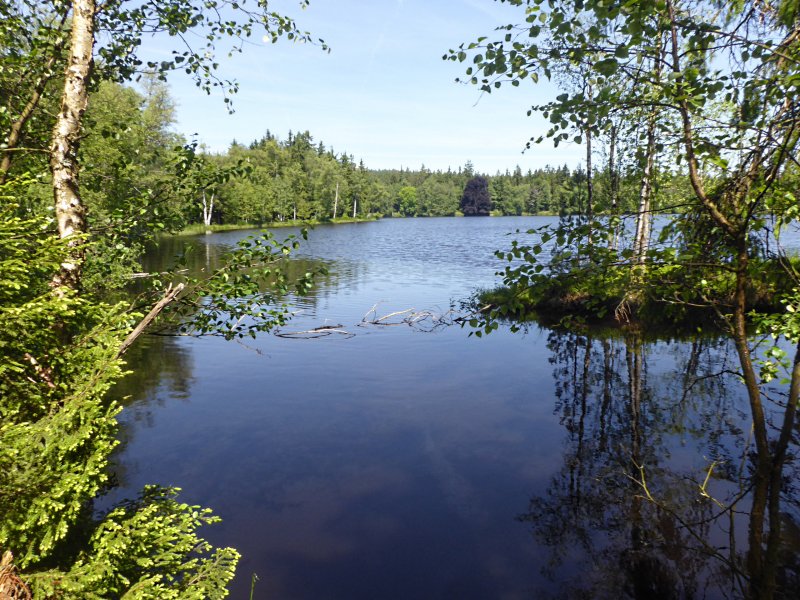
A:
(767, 582)
(69, 208)
(644, 215)
(612, 172)
(208, 209)
(355, 204)
(18, 126)
(336, 200)
(589, 180)
(688, 133)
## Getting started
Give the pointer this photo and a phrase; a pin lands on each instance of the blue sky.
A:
(383, 93)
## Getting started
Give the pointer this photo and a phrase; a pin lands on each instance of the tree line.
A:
(297, 178)
(140, 178)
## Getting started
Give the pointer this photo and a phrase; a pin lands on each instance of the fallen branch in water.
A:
(162, 274)
(317, 332)
(376, 320)
(384, 319)
(424, 320)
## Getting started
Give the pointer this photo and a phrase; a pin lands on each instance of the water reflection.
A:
(396, 465)
(658, 494)
(203, 254)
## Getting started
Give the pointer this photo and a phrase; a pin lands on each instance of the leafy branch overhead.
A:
(736, 59)
(248, 294)
(198, 28)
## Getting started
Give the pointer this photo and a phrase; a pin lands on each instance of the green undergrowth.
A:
(664, 297)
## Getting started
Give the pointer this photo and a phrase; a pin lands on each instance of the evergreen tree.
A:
(475, 200)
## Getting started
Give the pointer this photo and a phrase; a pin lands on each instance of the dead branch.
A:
(424, 320)
(169, 295)
(380, 320)
(316, 332)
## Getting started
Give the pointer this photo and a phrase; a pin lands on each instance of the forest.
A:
(271, 180)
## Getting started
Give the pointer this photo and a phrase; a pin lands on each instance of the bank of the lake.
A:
(200, 228)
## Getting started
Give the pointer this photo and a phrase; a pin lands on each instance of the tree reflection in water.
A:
(658, 496)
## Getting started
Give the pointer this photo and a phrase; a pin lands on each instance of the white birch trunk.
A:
(208, 209)
(613, 239)
(644, 215)
(69, 208)
(336, 200)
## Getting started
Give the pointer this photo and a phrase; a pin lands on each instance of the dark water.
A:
(398, 462)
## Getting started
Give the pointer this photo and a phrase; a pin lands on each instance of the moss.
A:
(668, 296)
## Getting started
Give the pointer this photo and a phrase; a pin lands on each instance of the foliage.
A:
(243, 296)
(145, 548)
(58, 430)
(281, 178)
(61, 345)
(715, 88)
(130, 178)
(722, 64)
(475, 200)
(407, 201)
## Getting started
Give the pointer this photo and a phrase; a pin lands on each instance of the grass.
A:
(199, 228)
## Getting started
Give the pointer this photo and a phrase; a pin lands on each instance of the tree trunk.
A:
(589, 182)
(208, 209)
(355, 204)
(69, 209)
(644, 216)
(613, 239)
(18, 126)
(336, 200)
(688, 132)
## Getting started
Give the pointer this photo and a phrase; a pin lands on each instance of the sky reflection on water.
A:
(398, 463)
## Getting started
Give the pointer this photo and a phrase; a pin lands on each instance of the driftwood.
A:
(424, 320)
(384, 320)
(169, 295)
(317, 332)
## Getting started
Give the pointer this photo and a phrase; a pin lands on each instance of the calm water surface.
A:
(402, 463)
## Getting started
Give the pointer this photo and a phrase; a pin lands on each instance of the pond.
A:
(399, 461)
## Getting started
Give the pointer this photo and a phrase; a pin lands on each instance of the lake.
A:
(411, 461)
